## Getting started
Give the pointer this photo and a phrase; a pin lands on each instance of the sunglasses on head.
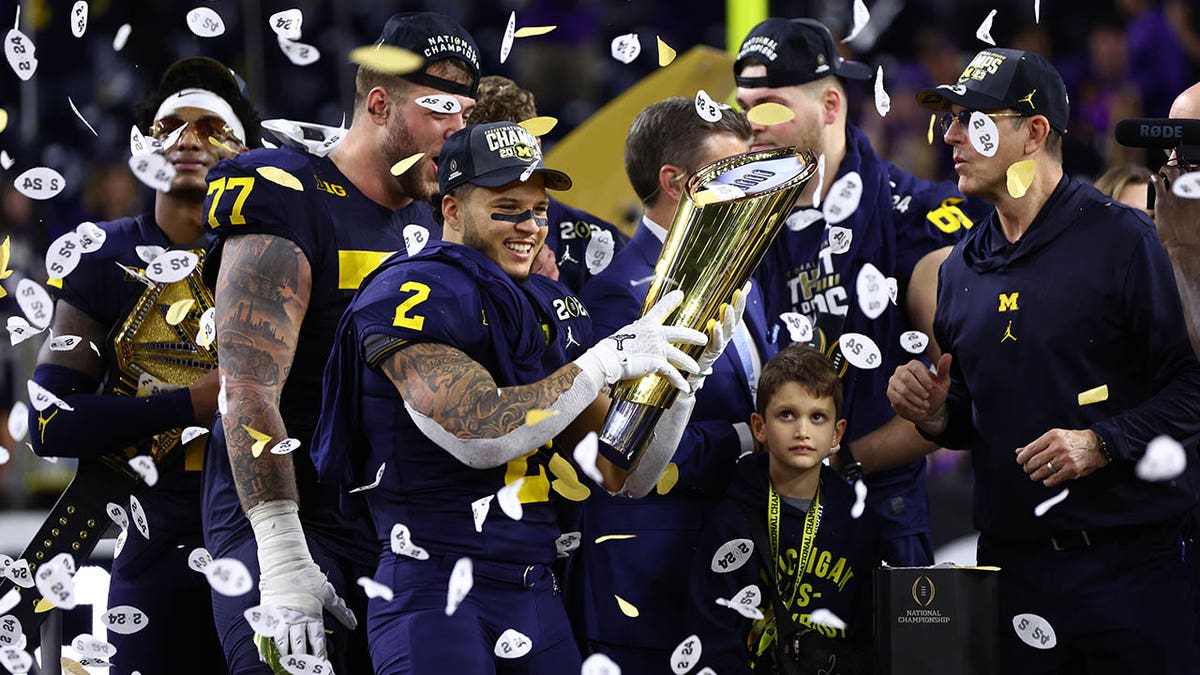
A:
(205, 127)
(964, 116)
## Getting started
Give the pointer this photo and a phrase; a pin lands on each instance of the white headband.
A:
(202, 98)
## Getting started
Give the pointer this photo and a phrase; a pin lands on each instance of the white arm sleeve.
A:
(667, 433)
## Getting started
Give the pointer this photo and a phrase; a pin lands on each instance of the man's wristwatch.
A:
(1104, 448)
(851, 468)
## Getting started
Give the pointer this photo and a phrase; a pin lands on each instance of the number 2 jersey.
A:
(520, 332)
(344, 235)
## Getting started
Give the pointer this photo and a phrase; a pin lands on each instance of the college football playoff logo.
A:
(923, 591)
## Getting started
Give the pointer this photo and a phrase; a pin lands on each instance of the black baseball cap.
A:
(795, 51)
(1005, 78)
(436, 37)
(492, 155)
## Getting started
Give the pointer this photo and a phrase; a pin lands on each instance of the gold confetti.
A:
(43, 606)
(5, 273)
(3, 119)
(561, 468)
(178, 311)
(212, 140)
(72, 667)
(406, 163)
(1094, 395)
(539, 126)
(281, 177)
(614, 537)
(627, 607)
(572, 490)
(387, 59)
(260, 440)
(668, 479)
(1020, 177)
(932, 119)
(532, 31)
(665, 54)
(534, 416)
(770, 113)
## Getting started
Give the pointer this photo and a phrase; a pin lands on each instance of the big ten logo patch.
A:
(331, 188)
(576, 229)
(569, 307)
(512, 141)
(985, 63)
(817, 288)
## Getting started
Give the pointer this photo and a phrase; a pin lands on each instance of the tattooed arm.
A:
(263, 289)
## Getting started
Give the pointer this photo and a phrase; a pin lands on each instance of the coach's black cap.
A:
(794, 51)
(436, 37)
(492, 155)
(1005, 78)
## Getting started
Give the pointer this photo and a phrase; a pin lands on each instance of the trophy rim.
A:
(707, 172)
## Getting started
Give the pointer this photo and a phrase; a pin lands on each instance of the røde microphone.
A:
(1157, 133)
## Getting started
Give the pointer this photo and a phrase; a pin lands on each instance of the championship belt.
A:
(728, 215)
(151, 356)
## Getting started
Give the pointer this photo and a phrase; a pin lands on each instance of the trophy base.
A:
(629, 427)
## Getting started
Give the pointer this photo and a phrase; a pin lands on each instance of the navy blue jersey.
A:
(571, 231)
(1085, 299)
(453, 295)
(344, 235)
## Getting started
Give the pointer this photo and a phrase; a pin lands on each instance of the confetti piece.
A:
(665, 53)
(510, 32)
(172, 266)
(119, 544)
(199, 559)
(280, 177)
(19, 573)
(387, 59)
(1041, 509)
(149, 385)
(745, 602)
(374, 484)
(299, 53)
(1165, 459)
(19, 330)
(984, 32)
(860, 350)
(18, 421)
(55, 584)
(138, 516)
(871, 290)
(72, 667)
(374, 589)
(840, 239)
(599, 664)
(40, 398)
(861, 16)
(147, 254)
(732, 555)
(1034, 631)
(929, 134)
(1187, 185)
(844, 197)
(35, 303)
(626, 48)
(415, 238)
(914, 341)
(686, 655)
(893, 289)
(222, 399)
(532, 31)
(402, 543)
(121, 37)
(214, 142)
(3, 121)
(205, 22)
(229, 577)
(305, 664)
(90, 647)
(509, 500)
(79, 18)
(440, 103)
(770, 113)
(599, 251)
(178, 311)
(263, 619)
(286, 446)
(260, 440)
(144, 466)
(539, 126)
(20, 50)
(479, 510)
(883, 102)
(207, 329)
(983, 134)
(614, 537)
(1094, 395)
(706, 108)
(154, 170)
(567, 542)
(668, 479)
(1020, 177)
(287, 24)
(1037, 11)
(627, 608)
(15, 659)
(190, 433)
(406, 163)
(39, 183)
(824, 617)
(585, 454)
(799, 327)
(572, 490)
(462, 578)
(78, 114)
(820, 182)
(6, 162)
(860, 499)
(5, 455)
(513, 644)
(533, 417)
(126, 620)
(91, 236)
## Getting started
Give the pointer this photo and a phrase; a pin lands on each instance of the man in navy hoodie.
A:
(1065, 353)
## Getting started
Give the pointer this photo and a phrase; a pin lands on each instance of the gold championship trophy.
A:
(729, 214)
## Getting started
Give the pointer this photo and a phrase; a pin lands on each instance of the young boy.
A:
(804, 515)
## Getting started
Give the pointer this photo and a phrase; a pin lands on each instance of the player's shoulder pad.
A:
(264, 191)
(421, 299)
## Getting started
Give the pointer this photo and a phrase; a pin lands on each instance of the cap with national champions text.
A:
(436, 37)
(1005, 78)
(794, 51)
(492, 155)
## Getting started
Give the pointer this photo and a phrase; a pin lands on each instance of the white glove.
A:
(720, 334)
(644, 347)
(290, 580)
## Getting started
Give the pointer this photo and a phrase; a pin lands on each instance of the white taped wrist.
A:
(280, 537)
(667, 433)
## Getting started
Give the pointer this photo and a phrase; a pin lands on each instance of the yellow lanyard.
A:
(812, 520)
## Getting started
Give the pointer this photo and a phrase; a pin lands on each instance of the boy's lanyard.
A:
(812, 520)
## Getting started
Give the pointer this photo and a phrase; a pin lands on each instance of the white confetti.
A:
(374, 589)
(15, 660)
(626, 48)
(914, 341)
(509, 501)
(147, 254)
(5, 455)
(883, 102)
(119, 544)
(860, 499)
(41, 398)
(462, 578)
(585, 454)
(35, 303)
(1037, 11)
(65, 561)
(599, 251)
(229, 576)
(374, 484)
(513, 644)
(91, 647)
(509, 31)
(154, 170)
(140, 145)
(305, 664)
(1164, 460)
(745, 602)
(567, 542)
(860, 350)
(402, 543)
(1041, 509)
(19, 50)
(299, 53)
(440, 103)
(820, 182)
(19, 330)
(893, 289)
(479, 510)
(799, 328)
(138, 516)
(287, 24)
(983, 134)
(415, 238)
(55, 584)
(207, 328)
(79, 18)
(706, 108)
(83, 119)
(286, 446)
(686, 655)
(19, 573)
(149, 385)
(121, 37)
(871, 291)
(145, 467)
(1187, 185)
(205, 22)
(63, 255)
(172, 266)
(984, 32)
(39, 183)
(732, 555)
(1034, 631)
(18, 421)
(861, 16)
(843, 199)
(840, 239)
(6, 160)
(802, 218)
(222, 399)
(191, 432)
(264, 619)
(824, 617)
(10, 626)
(199, 559)
(599, 664)
(117, 514)
(126, 620)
